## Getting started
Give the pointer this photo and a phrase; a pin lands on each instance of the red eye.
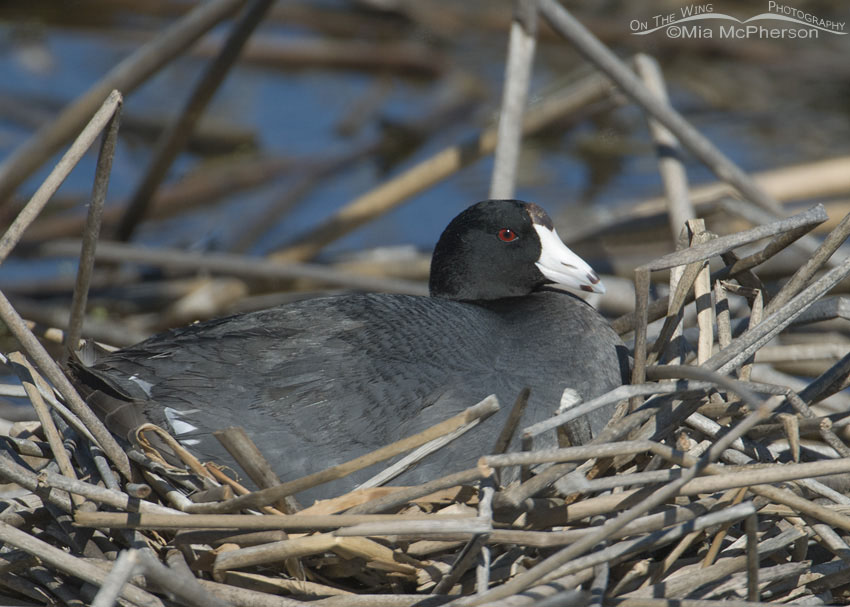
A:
(507, 235)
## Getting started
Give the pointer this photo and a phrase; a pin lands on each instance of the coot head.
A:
(504, 248)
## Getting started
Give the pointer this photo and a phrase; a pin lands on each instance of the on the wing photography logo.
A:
(781, 21)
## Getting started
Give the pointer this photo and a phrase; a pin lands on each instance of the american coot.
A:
(319, 382)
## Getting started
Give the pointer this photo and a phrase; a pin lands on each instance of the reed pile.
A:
(724, 475)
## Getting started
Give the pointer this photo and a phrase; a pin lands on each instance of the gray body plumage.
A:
(322, 381)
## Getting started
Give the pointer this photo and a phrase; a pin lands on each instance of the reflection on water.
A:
(766, 103)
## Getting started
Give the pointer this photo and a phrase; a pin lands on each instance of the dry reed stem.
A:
(436, 168)
(26, 373)
(724, 244)
(243, 450)
(69, 160)
(247, 455)
(717, 246)
(290, 522)
(417, 455)
(91, 232)
(810, 180)
(660, 602)
(690, 274)
(523, 581)
(688, 580)
(284, 52)
(265, 496)
(53, 373)
(805, 273)
(177, 581)
(174, 138)
(125, 567)
(731, 496)
(464, 560)
(347, 547)
(70, 564)
(752, 558)
(405, 495)
(604, 59)
(745, 346)
(702, 296)
(667, 149)
(518, 68)
(654, 539)
(273, 585)
(237, 265)
(102, 118)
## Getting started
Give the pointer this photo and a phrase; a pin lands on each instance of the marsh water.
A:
(765, 102)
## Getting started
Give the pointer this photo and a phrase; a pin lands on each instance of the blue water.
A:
(295, 112)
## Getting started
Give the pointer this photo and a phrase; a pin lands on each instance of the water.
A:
(761, 114)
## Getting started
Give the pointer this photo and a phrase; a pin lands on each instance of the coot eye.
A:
(507, 235)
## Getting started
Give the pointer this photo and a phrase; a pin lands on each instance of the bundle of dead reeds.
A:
(721, 478)
(707, 487)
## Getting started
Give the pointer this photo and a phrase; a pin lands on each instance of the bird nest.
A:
(706, 486)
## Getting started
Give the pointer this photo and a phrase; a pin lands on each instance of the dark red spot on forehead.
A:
(539, 216)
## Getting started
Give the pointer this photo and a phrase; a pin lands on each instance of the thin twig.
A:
(667, 149)
(658, 538)
(243, 266)
(521, 45)
(181, 584)
(742, 348)
(402, 496)
(91, 232)
(439, 166)
(174, 138)
(50, 369)
(751, 526)
(554, 562)
(290, 522)
(266, 496)
(718, 246)
(686, 581)
(593, 50)
(70, 564)
(27, 376)
(802, 276)
(52, 182)
(722, 244)
(125, 567)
